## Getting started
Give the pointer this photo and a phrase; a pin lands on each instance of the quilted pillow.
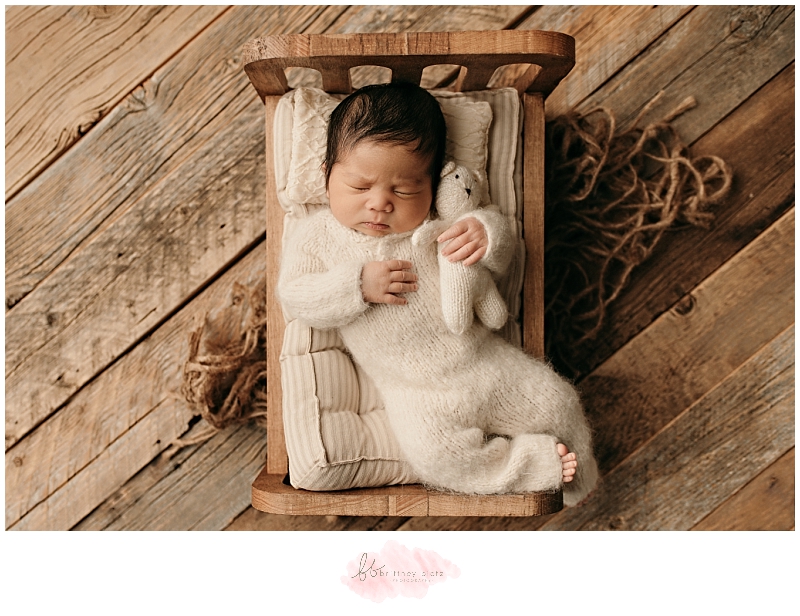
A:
(337, 433)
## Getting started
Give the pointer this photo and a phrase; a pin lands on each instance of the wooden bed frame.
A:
(551, 55)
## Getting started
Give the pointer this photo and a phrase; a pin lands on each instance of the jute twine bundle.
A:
(610, 196)
(225, 378)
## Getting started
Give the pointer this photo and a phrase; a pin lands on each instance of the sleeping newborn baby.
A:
(471, 412)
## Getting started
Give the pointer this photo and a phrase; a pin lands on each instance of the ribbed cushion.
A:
(337, 433)
(336, 438)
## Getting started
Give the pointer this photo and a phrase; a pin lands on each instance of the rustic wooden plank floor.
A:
(134, 201)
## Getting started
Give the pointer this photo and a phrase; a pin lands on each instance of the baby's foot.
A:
(569, 463)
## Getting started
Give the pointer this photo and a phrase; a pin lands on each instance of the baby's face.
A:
(381, 188)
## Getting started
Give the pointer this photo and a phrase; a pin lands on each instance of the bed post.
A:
(277, 460)
(533, 224)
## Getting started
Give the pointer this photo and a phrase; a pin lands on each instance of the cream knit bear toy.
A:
(462, 287)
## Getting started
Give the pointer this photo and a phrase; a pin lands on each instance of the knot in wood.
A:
(102, 11)
(747, 24)
(685, 305)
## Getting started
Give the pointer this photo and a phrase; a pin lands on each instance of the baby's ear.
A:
(448, 167)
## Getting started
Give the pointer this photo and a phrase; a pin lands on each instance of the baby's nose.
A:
(381, 203)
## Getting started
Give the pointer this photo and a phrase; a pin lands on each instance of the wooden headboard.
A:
(550, 54)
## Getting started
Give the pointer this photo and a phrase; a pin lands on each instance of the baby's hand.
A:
(382, 280)
(468, 241)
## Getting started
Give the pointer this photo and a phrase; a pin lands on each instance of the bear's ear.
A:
(448, 167)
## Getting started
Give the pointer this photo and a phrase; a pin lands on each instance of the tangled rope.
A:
(610, 196)
(225, 377)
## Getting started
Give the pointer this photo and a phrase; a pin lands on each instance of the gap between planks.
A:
(694, 463)
(765, 503)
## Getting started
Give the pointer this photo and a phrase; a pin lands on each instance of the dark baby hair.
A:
(400, 112)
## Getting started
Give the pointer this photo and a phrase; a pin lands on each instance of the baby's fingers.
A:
(402, 287)
(402, 276)
(467, 253)
(453, 231)
(396, 265)
(393, 299)
(475, 256)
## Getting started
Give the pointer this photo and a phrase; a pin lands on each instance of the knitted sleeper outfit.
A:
(444, 393)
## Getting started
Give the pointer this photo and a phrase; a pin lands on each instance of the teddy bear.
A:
(463, 288)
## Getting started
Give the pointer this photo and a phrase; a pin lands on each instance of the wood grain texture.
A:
(721, 55)
(205, 492)
(150, 134)
(137, 486)
(766, 503)
(533, 225)
(252, 519)
(761, 153)
(426, 18)
(606, 39)
(116, 424)
(277, 460)
(185, 183)
(272, 495)
(407, 54)
(67, 67)
(751, 294)
(710, 450)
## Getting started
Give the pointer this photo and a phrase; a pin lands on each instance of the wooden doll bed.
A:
(550, 56)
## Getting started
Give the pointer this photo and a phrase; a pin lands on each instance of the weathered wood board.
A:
(67, 67)
(607, 38)
(132, 412)
(204, 492)
(766, 503)
(752, 294)
(710, 450)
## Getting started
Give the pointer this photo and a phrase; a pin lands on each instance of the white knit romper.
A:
(472, 413)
